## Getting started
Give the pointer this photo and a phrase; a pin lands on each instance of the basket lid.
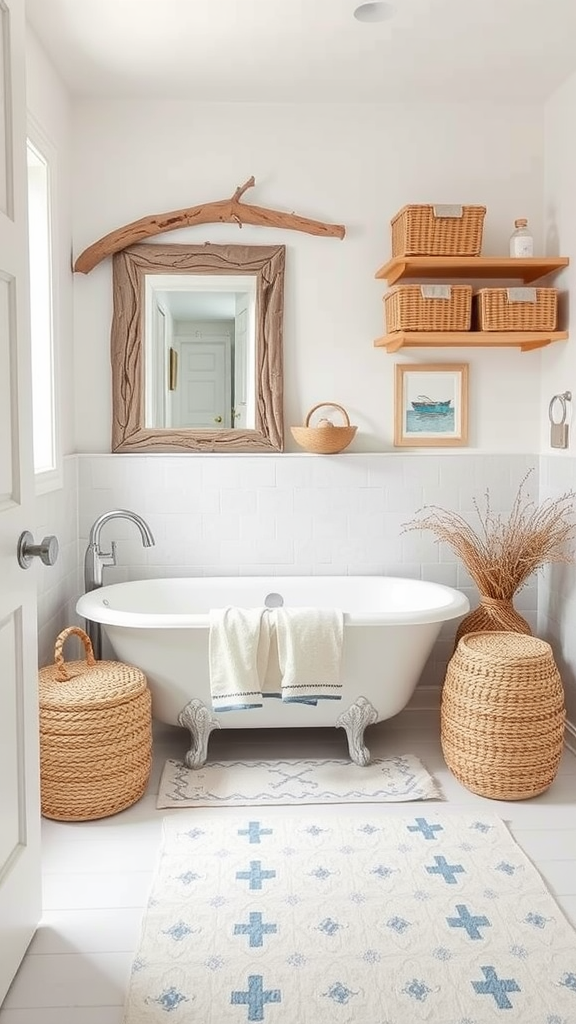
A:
(105, 684)
(505, 645)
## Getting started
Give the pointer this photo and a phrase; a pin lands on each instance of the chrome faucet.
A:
(95, 559)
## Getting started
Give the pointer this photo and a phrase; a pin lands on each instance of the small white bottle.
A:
(521, 241)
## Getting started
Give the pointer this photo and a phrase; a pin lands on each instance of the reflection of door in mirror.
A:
(209, 325)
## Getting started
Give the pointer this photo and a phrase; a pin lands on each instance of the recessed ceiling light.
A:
(377, 11)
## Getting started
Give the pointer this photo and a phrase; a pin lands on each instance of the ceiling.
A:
(300, 51)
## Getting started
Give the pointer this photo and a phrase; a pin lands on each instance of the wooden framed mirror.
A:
(149, 362)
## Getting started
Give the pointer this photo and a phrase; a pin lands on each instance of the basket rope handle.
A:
(61, 674)
(332, 405)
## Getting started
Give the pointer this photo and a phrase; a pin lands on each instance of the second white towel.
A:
(310, 653)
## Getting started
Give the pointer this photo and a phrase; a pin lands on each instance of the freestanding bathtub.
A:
(162, 627)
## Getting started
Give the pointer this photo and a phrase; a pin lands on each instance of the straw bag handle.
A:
(61, 674)
(333, 405)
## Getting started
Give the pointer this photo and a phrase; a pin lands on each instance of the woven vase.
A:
(494, 616)
(502, 715)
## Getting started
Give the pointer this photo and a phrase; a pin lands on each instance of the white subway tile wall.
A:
(297, 515)
(557, 584)
(58, 585)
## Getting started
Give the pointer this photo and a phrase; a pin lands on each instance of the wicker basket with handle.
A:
(424, 231)
(326, 438)
(95, 734)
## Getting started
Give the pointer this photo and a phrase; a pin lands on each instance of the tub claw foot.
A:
(354, 720)
(200, 721)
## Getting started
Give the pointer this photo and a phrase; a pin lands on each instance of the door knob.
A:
(217, 419)
(47, 551)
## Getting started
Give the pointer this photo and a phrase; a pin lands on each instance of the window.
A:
(41, 315)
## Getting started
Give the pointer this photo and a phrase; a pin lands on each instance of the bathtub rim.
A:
(89, 605)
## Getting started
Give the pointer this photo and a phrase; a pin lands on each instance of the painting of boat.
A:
(428, 405)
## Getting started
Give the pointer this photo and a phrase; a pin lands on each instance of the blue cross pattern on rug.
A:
(446, 870)
(497, 987)
(425, 828)
(255, 929)
(256, 997)
(256, 875)
(349, 917)
(468, 921)
(254, 831)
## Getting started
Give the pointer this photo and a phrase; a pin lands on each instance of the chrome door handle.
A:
(26, 550)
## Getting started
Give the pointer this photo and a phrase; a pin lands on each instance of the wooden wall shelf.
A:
(526, 270)
(524, 340)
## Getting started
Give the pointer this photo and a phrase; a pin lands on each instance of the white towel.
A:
(310, 653)
(238, 650)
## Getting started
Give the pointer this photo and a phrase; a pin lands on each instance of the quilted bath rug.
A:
(371, 918)
(254, 783)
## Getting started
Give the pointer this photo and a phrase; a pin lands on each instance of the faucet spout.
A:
(120, 513)
(95, 559)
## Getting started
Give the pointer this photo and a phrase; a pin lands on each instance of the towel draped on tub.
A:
(243, 645)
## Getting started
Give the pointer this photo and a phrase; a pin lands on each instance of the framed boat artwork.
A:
(431, 405)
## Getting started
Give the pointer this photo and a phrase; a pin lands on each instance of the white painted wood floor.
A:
(97, 874)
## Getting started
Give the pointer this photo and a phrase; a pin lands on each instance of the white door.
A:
(241, 363)
(203, 398)
(20, 894)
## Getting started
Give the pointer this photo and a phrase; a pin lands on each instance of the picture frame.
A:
(431, 405)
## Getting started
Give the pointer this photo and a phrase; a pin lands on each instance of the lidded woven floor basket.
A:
(502, 715)
(95, 735)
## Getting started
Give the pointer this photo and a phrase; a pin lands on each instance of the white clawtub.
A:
(162, 626)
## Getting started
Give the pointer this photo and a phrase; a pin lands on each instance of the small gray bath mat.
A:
(304, 781)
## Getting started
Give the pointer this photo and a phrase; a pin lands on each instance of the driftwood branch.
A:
(224, 211)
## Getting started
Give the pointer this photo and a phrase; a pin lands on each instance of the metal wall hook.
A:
(559, 428)
(566, 396)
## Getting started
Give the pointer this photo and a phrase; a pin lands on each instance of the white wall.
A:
(355, 165)
(557, 592)
(57, 511)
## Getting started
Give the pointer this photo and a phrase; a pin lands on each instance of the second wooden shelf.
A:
(524, 340)
(527, 270)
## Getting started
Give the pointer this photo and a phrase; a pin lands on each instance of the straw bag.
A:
(326, 438)
(95, 734)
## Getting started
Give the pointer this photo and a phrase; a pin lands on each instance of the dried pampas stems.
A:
(502, 554)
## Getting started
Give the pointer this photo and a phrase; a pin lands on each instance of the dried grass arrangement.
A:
(501, 554)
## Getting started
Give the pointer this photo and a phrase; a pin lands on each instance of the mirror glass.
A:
(197, 348)
(199, 351)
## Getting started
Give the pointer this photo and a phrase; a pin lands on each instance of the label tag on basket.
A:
(448, 210)
(521, 294)
(436, 291)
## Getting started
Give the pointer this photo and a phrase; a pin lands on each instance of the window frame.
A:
(50, 479)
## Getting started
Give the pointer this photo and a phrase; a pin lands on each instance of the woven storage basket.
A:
(497, 309)
(502, 715)
(407, 307)
(95, 735)
(418, 231)
(324, 440)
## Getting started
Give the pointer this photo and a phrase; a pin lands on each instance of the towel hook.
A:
(559, 428)
(566, 396)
